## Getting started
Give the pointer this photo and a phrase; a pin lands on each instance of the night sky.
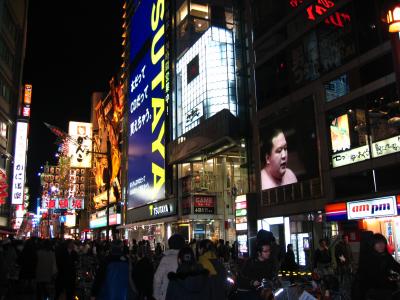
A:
(73, 48)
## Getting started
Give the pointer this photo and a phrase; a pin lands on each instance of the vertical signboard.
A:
(26, 105)
(18, 181)
(146, 154)
(80, 149)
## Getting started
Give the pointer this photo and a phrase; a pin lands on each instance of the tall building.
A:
(326, 126)
(13, 22)
(187, 116)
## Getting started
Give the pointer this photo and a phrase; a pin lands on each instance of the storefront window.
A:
(368, 127)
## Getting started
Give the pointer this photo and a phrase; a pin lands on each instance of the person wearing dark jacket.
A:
(254, 271)
(66, 259)
(344, 262)
(28, 262)
(143, 276)
(264, 236)
(113, 280)
(216, 268)
(375, 273)
(190, 281)
(323, 259)
(289, 262)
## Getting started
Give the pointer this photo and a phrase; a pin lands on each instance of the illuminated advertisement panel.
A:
(19, 163)
(205, 80)
(80, 149)
(27, 94)
(146, 121)
(288, 146)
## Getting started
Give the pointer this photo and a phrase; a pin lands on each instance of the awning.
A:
(149, 222)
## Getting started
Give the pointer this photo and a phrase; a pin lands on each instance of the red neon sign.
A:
(337, 19)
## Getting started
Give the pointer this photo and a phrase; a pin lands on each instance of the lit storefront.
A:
(98, 221)
(154, 222)
(378, 215)
(303, 231)
(207, 191)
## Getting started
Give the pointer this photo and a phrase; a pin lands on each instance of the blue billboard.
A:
(146, 121)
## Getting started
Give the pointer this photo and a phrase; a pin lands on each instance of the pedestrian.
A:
(235, 251)
(193, 245)
(168, 263)
(113, 281)
(254, 270)
(46, 269)
(217, 272)
(190, 281)
(28, 262)
(134, 250)
(289, 262)
(143, 274)
(67, 259)
(220, 249)
(376, 272)
(264, 236)
(227, 252)
(323, 260)
(344, 261)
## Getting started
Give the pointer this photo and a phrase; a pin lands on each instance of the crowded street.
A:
(200, 150)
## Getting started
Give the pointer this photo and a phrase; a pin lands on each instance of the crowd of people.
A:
(64, 269)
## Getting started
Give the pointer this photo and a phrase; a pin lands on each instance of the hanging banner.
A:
(81, 145)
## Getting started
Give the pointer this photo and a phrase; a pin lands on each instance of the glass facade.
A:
(205, 80)
(345, 33)
(365, 128)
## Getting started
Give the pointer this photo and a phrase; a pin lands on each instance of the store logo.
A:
(379, 207)
(159, 210)
(373, 208)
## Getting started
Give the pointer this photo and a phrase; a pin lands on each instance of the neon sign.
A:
(337, 19)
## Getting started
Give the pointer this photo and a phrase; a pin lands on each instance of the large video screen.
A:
(288, 147)
(146, 128)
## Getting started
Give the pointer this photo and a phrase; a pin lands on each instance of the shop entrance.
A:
(390, 228)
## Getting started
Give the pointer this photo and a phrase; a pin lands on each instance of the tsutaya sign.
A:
(160, 210)
(378, 207)
(147, 107)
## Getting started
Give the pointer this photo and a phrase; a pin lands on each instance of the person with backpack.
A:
(190, 281)
(114, 278)
(217, 272)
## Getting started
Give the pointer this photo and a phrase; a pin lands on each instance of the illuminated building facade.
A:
(324, 76)
(187, 158)
(13, 21)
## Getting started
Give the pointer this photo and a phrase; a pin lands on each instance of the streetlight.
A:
(392, 12)
(393, 17)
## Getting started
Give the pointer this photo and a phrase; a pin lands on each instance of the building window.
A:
(3, 129)
(6, 55)
(182, 12)
(337, 87)
(10, 25)
(199, 10)
(5, 90)
(369, 127)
